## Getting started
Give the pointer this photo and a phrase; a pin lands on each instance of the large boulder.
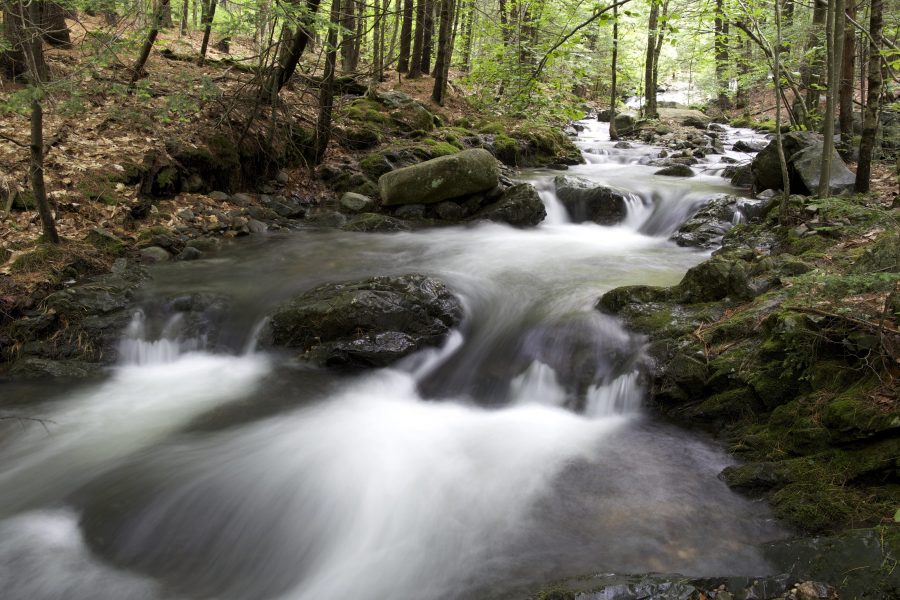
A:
(369, 323)
(519, 205)
(706, 228)
(803, 152)
(463, 174)
(625, 124)
(587, 200)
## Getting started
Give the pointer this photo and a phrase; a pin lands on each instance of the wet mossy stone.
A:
(625, 124)
(881, 257)
(369, 323)
(716, 279)
(520, 206)
(106, 242)
(356, 203)
(616, 299)
(462, 174)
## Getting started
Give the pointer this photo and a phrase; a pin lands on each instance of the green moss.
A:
(439, 148)
(491, 127)
(375, 165)
(105, 242)
(4, 255)
(731, 404)
(815, 505)
(38, 259)
(148, 232)
(854, 413)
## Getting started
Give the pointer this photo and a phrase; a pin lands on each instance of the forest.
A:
(437, 299)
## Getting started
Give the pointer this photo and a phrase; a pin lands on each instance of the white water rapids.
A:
(514, 455)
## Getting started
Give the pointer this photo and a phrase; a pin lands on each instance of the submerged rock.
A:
(369, 323)
(462, 174)
(356, 203)
(587, 200)
(676, 171)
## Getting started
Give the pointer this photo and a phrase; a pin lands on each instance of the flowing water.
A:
(516, 454)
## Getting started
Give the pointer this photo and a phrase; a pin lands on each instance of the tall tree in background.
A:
(427, 34)
(138, 69)
(811, 72)
(348, 37)
(650, 110)
(209, 15)
(326, 94)
(845, 96)
(444, 53)
(298, 40)
(53, 25)
(415, 69)
(613, 134)
(835, 43)
(721, 49)
(873, 98)
(405, 37)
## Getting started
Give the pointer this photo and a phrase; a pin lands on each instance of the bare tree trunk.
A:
(53, 25)
(326, 95)
(428, 33)
(650, 111)
(613, 134)
(405, 37)
(207, 29)
(873, 99)
(444, 53)
(166, 21)
(834, 39)
(415, 69)
(811, 72)
(468, 25)
(36, 173)
(138, 68)
(291, 52)
(184, 17)
(721, 49)
(12, 59)
(845, 103)
(348, 36)
(785, 178)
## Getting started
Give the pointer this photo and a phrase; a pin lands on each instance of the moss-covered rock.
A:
(468, 172)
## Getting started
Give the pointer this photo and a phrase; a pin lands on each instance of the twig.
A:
(860, 322)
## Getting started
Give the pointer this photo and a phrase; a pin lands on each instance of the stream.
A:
(203, 466)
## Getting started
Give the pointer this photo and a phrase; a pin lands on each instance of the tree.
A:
(427, 34)
(835, 43)
(445, 51)
(845, 101)
(415, 69)
(326, 94)
(613, 134)
(297, 41)
(721, 49)
(405, 37)
(209, 15)
(650, 110)
(138, 69)
(873, 98)
(53, 25)
(348, 37)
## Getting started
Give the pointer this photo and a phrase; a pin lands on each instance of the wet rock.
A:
(587, 200)
(803, 152)
(625, 124)
(374, 222)
(220, 196)
(282, 177)
(449, 211)
(740, 175)
(468, 172)
(519, 206)
(676, 171)
(32, 367)
(356, 203)
(257, 226)
(748, 146)
(154, 254)
(410, 211)
(706, 228)
(189, 253)
(698, 120)
(369, 323)
(327, 219)
(623, 145)
(716, 279)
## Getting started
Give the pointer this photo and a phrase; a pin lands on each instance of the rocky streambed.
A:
(418, 395)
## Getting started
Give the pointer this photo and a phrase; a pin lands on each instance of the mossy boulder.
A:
(374, 222)
(105, 241)
(356, 203)
(803, 153)
(716, 279)
(462, 174)
(369, 323)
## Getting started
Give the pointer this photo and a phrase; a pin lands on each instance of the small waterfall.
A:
(556, 212)
(136, 349)
(538, 385)
(622, 395)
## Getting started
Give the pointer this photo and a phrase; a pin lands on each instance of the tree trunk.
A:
(468, 25)
(326, 95)
(428, 33)
(165, 21)
(405, 37)
(613, 134)
(785, 178)
(36, 173)
(444, 53)
(873, 99)
(291, 52)
(12, 58)
(348, 36)
(53, 25)
(138, 68)
(721, 49)
(812, 69)
(415, 69)
(834, 35)
(184, 17)
(845, 102)
(650, 111)
(207, 29)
